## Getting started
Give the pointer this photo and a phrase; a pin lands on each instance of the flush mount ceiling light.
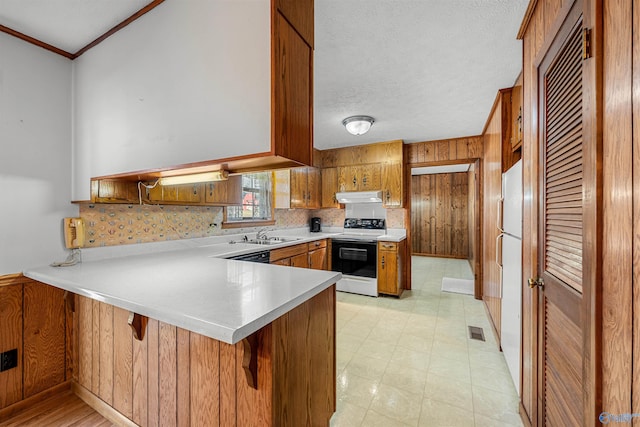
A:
(358, 125)
(220, 175)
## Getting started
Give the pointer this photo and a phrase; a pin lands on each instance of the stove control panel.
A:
(364, 223)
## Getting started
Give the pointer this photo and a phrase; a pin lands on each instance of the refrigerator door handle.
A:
(499, 262)
(499, 219)
(498, 257)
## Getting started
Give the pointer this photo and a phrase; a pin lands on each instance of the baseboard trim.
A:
(13, 409)
(523, 416)
(101, 406)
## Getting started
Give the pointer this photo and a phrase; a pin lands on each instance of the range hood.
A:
(359, 197)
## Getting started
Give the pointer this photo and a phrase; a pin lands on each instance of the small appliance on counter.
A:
(315, 225)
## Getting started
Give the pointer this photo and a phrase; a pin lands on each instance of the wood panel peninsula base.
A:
(173, 376)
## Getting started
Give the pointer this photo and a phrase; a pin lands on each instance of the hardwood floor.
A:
(64, 409)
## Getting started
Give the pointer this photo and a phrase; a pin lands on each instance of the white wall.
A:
(189, 81)
(35, 154)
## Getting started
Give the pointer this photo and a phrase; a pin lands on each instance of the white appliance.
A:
(510, 226)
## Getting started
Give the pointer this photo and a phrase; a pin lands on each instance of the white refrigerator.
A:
(510, 227)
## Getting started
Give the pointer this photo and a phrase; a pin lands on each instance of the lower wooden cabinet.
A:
(390, 267)
(318, 255)
(305, 255)
(36, 323)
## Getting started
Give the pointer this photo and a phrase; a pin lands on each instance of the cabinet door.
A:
(298, 183)
(313, 188)
(329, 178)
(516, 117)
(369, 177)
(175, 194)
(111, 191)
(392, 190)
(11, 338)
(284, 261)
(227, 192)
(348, 178)
(301, 261)
(388, 269)
(318, 255)
(292, 131)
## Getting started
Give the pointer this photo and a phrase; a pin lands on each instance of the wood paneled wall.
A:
(621, 209)
(440, 215)
(445, 151)
(33, 320)
(492, 193)
(181, 378)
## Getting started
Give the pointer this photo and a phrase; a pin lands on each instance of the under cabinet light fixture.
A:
(220, 175)
(358, 125)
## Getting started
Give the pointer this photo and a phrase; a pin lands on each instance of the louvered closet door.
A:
(560, 360)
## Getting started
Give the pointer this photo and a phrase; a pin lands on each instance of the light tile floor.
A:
(409, 362)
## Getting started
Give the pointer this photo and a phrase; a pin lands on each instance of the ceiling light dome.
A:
(358, 125)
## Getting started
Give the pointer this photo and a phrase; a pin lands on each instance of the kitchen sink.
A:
(272, 240)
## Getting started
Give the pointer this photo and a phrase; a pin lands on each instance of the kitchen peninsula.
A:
(186, 338)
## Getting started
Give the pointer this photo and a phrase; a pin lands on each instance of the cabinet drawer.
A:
(317, 245)
(288, 252)
(388, 246)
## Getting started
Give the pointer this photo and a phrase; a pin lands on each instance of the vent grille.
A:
(476, 333)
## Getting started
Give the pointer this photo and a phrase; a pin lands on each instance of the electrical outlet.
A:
(8, 360)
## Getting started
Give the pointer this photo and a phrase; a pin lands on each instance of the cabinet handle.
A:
(211, 188)
(195, 189)
(383, 262)
(388, 196)
(364, 180)
(355, 180)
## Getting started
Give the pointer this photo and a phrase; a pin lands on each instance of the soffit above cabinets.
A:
(423, 69)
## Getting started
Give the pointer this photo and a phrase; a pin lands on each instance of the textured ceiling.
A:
(424, 69)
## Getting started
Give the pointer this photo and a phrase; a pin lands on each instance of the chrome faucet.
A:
(262, 234)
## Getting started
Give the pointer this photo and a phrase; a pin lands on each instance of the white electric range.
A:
(354, 253)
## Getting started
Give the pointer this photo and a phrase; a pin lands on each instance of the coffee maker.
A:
(314, 225)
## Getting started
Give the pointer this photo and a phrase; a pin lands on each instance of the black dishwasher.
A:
(261, 257)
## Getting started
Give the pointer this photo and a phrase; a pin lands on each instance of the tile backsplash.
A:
(115, 224)
(111, 224)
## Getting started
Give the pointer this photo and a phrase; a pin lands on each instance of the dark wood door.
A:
(563, 332)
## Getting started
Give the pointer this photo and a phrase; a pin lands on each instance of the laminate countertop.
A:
(189, 284)
(193, 289)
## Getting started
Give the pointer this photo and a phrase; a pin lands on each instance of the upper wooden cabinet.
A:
(224, 193)
(367, 167)
(305, 187)
(392, 185)
(216, 193)
(516, 115)
(175, 194)
(299, 13)
(292, 98)
(329, 178)
(359, 178)
(113, 191)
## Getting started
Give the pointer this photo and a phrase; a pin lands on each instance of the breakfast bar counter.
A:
(183, 338)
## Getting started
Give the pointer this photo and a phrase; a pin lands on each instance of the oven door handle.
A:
(352, 254)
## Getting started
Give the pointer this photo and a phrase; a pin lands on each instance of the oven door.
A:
(354, 257)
